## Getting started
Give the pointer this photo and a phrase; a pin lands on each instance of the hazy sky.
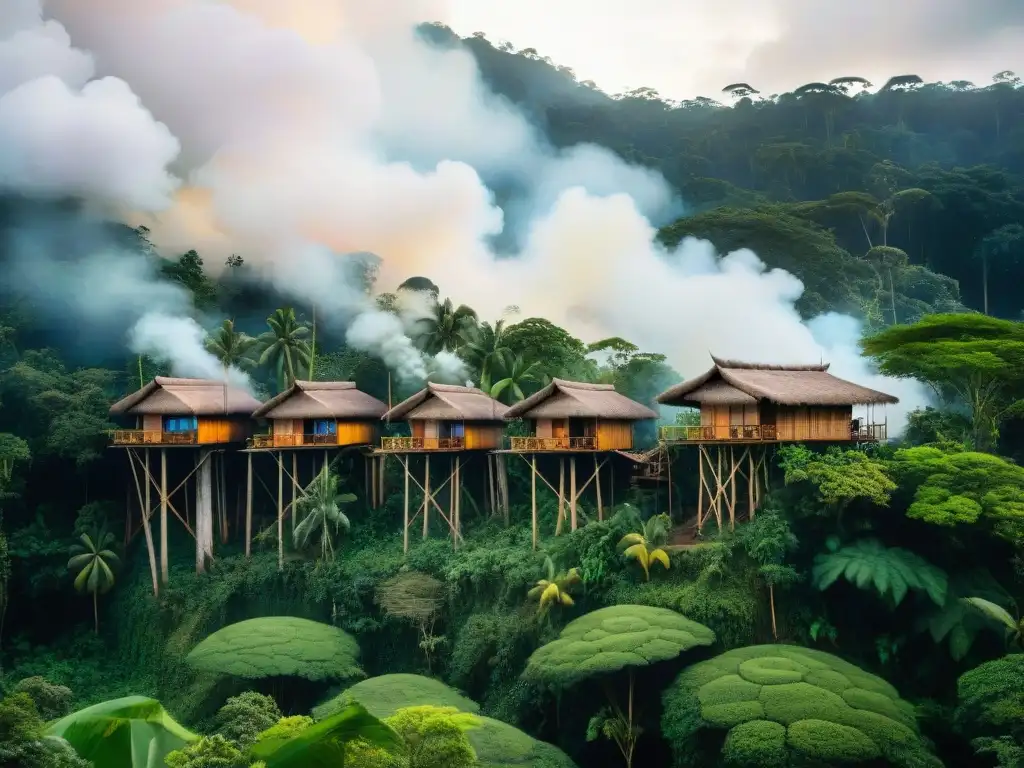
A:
(686, 48)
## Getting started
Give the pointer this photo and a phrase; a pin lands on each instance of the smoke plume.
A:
(316, 128)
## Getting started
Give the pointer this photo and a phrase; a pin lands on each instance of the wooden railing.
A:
(422, 443)
(553, 443)
(291, 441)
(672, 434)
(152, 437)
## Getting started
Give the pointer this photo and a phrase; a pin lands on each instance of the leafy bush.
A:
(782, 705)
(891, 570)
(51, 700)
(435, 736)
(208, 752)
(990, 708)
(245, 716)
(279, 646)
(23, 742)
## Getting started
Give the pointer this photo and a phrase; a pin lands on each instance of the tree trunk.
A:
(771, 603)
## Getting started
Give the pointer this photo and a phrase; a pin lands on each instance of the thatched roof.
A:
(448, 402)
(731, 382)
(573, 399)
(180, 397)
(322, 400)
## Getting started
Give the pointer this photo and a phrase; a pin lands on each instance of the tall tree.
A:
(284, 347)
(487, 351)
(447, 328)
(232, 348)
(93, 561)
(998, 246)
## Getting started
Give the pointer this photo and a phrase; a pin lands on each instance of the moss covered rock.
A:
(780, 706)
(497, 744)
(614, 638)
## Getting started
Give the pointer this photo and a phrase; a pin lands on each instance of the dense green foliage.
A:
(782, 705)
(901, 208)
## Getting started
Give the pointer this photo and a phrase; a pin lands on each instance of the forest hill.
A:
(319, 431)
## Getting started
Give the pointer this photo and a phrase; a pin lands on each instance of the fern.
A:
(891, 570)
(959, 620)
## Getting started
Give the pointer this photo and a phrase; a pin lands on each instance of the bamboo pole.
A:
(295, 489)
(280, 512)
(700, 488)
(533, 498)
(248, 504)
(572, 492)
(720, 491)
(146, 512)
(451, 501)
(751, 482)
(405, 509)
(668, 462)
(491, 468)
(732, 489)
(380, 479)
(561, 495)
(458, 498)
(597, 473)
(164, 557)
(426, 496)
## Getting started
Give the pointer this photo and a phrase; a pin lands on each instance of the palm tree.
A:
(516, 374)
(233, 349)
(645, 546)
(285, 347)
(95, 562)
(320, 506)
(486, 350)
(554, 590)
(448, 328)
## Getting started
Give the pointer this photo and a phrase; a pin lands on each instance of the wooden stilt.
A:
(751, 482)
(572, 492)
(164, 556)
(597, 474)
(380, 480)
(405, 510)
(719, 490)
(503, 486)
(458, 499)
(367, 484)
(668, 462)
(611, 486)
(295, 490)
(700, 488)
(491, 466)
(451, 501)
(204, 512)
(226, 530)
(732, 489)
(533, 498)
(426, 496)
(561, 495)
(280, 511)
(248, 504)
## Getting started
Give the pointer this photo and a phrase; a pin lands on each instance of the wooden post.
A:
(451, 500)
(533, 497)
(668, 462)
(572, 492)
(380, 479)
(491, 465)
(405, 511)
(611, 485)
(597, 481)
(506, 510)
(295, 488)
(561, 495)
(751, 482)
(164, 567)
(145, 523)
(367, 484)
(280, 511)
(458, 499)
(700, 488)
(426, 496)
(732, 488)
(225, 531)
(248, 504)
(204, 511)
(719, 490)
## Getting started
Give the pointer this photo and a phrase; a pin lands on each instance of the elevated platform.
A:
(298, 442)
(423, 445)
(758, 434)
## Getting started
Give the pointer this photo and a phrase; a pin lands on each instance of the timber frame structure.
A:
(308, 420)
(459, 424)
(746, 409)
(569, 420)
(174, 414)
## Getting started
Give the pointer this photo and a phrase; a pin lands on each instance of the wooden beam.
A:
(295, 489)
(248, 504)
(405, 510)
(533, 498)
(668, 462)
(458, 497)
(145, 512)
(164, 502)
(280, 512)
(426, 496)
(700, 489)
(561, 495)
(597, 473)
(572, 492)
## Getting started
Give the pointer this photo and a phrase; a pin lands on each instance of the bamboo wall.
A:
(356, 433)
(614, 435)
(153, 422)
(543, 428)
(483, 436)
(287, 427)
(221, 430)
(814, 423)
(729, 416)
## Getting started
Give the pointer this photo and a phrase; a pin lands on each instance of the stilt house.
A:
(774, 403)
(444, 417)
(170, 412)
(315, 414)
(576, 416)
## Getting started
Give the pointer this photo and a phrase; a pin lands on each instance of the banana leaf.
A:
(323, 745)
(132, 732)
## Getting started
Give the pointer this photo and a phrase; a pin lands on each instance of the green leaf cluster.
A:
(892, 571)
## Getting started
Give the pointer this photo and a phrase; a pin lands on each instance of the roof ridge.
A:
(741, 365)
(584, 385)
